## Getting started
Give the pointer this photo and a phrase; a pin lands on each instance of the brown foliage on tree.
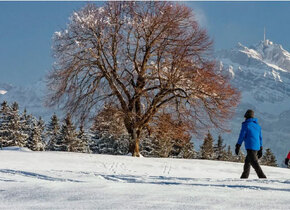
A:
(164, 127)
(169, 133)
(146, 57)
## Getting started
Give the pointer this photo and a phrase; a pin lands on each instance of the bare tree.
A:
(145, 57)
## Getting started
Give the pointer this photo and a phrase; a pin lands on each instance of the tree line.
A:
(108, 135)
(25, 130)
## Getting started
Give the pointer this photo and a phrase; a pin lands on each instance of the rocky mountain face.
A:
(262, 73)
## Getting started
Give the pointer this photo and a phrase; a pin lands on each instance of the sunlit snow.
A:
(61, 180)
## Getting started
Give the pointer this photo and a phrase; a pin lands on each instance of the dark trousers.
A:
(252, 160)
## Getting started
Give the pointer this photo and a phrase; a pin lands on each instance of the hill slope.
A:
(58, 180)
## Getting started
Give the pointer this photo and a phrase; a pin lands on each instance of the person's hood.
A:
(255, 120)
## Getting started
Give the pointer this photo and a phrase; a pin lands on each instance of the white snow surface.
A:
(62, 180)
(15, 148)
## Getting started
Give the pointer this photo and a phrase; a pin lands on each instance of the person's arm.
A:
(260, 152)
(261, 139)
(288, 156)
(242, 134)
(241, 139)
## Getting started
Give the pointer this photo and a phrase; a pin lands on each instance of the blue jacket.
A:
(251, 134)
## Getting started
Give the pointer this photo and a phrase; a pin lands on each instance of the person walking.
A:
(251, 134)
(287, 159)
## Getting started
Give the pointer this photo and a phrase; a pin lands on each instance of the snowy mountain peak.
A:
(263, 55)
(258, 68)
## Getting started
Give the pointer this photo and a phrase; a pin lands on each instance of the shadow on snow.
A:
(34, 175)
(162, 180)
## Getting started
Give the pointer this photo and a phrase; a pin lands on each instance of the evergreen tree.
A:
(106, 143)
(219, 149)
(11, 126)
(4, 107)
(24, 114)
(152, 146)
(18, 137)
(149, 146)
(229, 154)
(206, 148)
(35, 141)
(53, 132)
(27, 124)
(5, 115)
(41, 125)
(108, 133)
(241, 157)
(187, 151)
(269, 158)
(82, 145)
(67, 140)
(163, 146)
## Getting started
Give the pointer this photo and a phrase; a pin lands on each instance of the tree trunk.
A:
(135, 136)
(136, 149)
(135, 141)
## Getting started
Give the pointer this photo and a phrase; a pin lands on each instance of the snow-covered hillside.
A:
(262, 73)
(59, 180)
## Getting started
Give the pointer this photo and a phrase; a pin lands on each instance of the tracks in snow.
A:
(167, 168)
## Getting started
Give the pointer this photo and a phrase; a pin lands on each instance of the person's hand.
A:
(286, 161)
(260, 153)
(237, 150)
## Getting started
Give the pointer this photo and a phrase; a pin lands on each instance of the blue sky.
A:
(26, 29)
(232, 22)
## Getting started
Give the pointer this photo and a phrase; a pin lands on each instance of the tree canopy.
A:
(145, 58)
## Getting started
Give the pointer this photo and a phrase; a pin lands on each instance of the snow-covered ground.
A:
(60, 180)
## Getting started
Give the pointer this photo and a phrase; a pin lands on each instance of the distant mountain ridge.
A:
(30, 97)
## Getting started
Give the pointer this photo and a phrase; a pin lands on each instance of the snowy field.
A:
(60, 180)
